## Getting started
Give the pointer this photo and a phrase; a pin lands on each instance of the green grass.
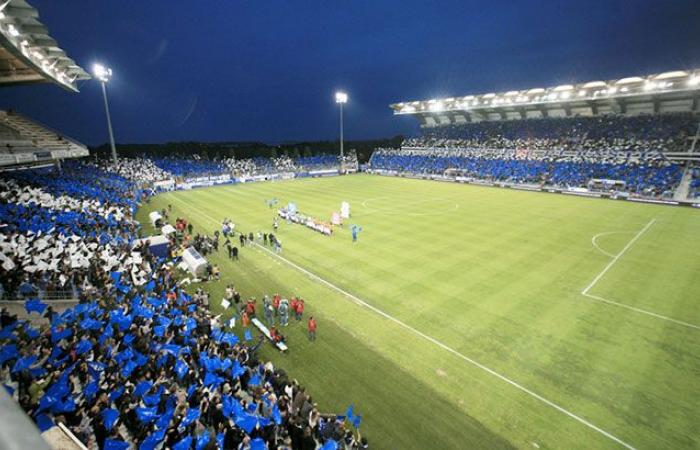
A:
(496, 275)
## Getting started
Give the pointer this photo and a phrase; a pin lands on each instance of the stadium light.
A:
(341, 98)
(103, 74)
(694, 81)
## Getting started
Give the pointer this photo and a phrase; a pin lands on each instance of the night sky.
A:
(241, 70)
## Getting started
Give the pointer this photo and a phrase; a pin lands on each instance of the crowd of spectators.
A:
(144, 169)
(566, 152)
(649, 132)
(139, 170)
(53, 237)
(191, 167)
(645, 176)
(137, 363)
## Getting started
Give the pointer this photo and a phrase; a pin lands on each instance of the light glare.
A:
(341, 97)
(101, 72)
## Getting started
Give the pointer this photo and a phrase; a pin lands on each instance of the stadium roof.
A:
(669, 91)
(28, 54)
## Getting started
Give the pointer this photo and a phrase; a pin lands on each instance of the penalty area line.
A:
(615, 258)
(432, 340)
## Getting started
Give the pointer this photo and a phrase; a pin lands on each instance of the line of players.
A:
(277, 307)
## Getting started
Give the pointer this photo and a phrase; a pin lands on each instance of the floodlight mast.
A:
(341, 98)
(103, 74)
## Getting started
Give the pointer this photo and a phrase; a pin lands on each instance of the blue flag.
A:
(147, 414)
(115, 394)
(153, 440)
(247, 336)
(8, 352)
(115, 444)
(184, 444)
(276, 416)
(24, 363)
(350, 413)
(258, 444)
(211, 379)
(109, 417)
(254, 380)
(44, 422)
(202, 440)
(181, 368)
(90, 390)
(220, 440)
(191, 415)
(330, 445)
(356, 421)
(142, 388)
(164, 420)
(35, 305)
(237, 370)
(32, 333)
(57, 335)
(83, 346)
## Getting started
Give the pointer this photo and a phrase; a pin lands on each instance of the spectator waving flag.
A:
(152, 440)
(109, 417)
(35, 305)
(191, 415)
(24, 363)
(202, 440)
(183, 444)
(258, 444)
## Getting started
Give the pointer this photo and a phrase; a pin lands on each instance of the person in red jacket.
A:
(276, 299)
(299, 309)
(245, 320)
(293, 303)
(250, 308)
(312, 328)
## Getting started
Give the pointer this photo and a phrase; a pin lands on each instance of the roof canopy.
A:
(28, 54)
(669, 91)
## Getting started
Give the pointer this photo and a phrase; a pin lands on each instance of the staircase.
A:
(683, 188)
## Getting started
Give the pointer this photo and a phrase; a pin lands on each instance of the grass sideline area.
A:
(475, 332)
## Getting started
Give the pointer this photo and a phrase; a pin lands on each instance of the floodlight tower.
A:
(103, 74)
(341, 98)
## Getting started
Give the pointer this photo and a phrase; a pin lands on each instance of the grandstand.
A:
(29, 55)
(26, 142)
(634, 135)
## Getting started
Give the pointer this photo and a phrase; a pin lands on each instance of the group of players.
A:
(275, 310)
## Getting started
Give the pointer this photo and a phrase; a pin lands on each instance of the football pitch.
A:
(477, 317)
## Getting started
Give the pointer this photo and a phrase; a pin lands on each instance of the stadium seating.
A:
(565, 152)
(137, 363)
(25, 141)
(660, 132)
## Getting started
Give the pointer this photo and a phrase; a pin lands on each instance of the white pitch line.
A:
(643, 311)
(617, 257)
(594, 240)
(440, 344)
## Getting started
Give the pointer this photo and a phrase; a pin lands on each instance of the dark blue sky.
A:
(216, 70)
